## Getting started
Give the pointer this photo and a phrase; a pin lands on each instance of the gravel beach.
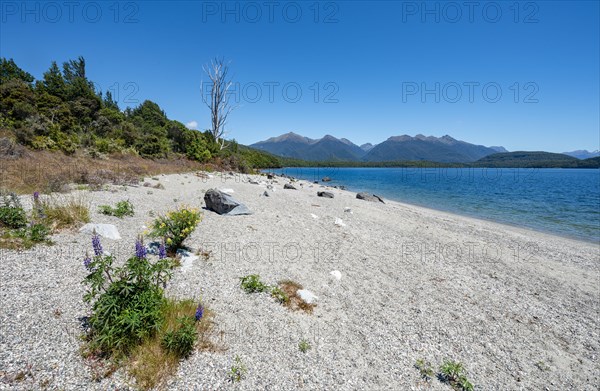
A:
(520, 309)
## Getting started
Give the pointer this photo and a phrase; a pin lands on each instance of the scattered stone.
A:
(347, 210)
(336, 274)
(269, 176)
(186, 259)
(288, 186)
(369, 197)
(108, 231)
(228, 191)
(307, 296)
(222, 203)
(253, 182)
(325, 194)
(339, 222)
(266, 194)
(326, 179)
(314, 216)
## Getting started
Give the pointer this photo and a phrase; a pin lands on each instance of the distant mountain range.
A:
(398, 148)
(583, 154)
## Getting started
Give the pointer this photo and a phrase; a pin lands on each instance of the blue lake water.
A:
(560, 201)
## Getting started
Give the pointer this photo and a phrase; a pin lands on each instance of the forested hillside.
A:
(63, 112)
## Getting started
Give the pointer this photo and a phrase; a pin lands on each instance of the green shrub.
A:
(182, 340)
(69, 212)
(176, 226)
(12, 214)
(278, 294)
(123, 208)
(304, 346)
(425, 369)
(453, 372)
(238, 370)
(253, 284)
(127, 301)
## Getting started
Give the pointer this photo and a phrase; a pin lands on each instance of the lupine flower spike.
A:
(162, 251)
(97, 245)
(87, 261)
(140, 249)
(199, 312)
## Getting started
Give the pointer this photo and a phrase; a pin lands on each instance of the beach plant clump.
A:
(66, 213)
(238, 370)
(176, 226)
(126, 301)
(285, 292)
(133, 323)
(252, 284)
(454, 373)
(120, 210)
(425, 368)
(304, 346)
(12, 214)
(16, 229)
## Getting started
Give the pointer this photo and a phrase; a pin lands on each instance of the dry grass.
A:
(295, 303)
(52, 171)
(151, 365)
(66, 212)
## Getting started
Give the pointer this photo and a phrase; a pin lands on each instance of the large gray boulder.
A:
(325, 194)
(288, 186)
(369, 197)
(224, 204)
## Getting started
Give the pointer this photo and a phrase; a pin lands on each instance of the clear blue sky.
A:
(368, 61)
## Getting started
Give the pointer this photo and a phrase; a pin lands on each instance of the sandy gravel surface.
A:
(519, 309)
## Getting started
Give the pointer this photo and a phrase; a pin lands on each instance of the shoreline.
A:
(416, 283)
(562, 235)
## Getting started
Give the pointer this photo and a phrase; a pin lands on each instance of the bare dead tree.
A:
(218, 102)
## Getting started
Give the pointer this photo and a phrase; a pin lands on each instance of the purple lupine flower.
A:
(199, 312)
(97, 245)
(36, 197)
(87, 261)
(162, 251)
(140, 249)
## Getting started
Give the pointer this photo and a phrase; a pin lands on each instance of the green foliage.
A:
(253, 284)
(278, 294)
(10, 70)
(453, 372)
(182, 340)
(304, 346)
(425, 368)
(12, 214)
(127, 301)
(63, 112)
(238, 370)
(123, 208)
(176, 226)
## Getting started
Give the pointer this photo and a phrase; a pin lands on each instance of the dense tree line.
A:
(63, 112)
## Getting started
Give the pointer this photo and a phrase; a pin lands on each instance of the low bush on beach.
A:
(451, 372)
(454, 373)
(304, 346)
(425, 368)
(285, 292)
(12, 214)
(64, 213)
(133, 323)
(253, 284)
(176, 226)
(16, 230)
(238, 370)
(120, 210)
